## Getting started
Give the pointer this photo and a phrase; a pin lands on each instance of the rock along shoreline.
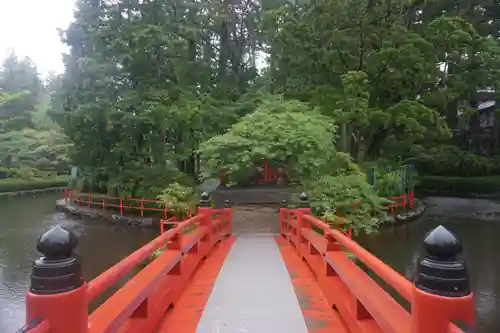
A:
(405, 217)
(95, 213)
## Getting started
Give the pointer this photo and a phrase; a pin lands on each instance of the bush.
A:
(134, 181)
(178, 199)
(461, 186)
(450, 161)
(389, 184)
(287, 133)
(348, 196)
(13, 184)
(389, 178)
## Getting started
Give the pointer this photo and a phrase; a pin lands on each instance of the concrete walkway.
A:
(253, 292)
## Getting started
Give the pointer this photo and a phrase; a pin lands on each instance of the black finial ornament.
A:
(59, 269)
(57, 243)
(284, 204)
(227, 204)
(441, 272)
(205, 200)
(304, 200)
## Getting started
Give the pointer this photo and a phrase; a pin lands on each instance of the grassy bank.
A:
(459, 186)
(14, 184)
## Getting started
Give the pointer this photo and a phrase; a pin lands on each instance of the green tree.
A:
(147, 81)
(301, 140)
(369, 61)
(289, 133)
(18, 76)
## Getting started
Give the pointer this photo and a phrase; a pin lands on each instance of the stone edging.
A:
(145, 222)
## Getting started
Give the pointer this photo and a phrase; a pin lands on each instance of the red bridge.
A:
(309, 278)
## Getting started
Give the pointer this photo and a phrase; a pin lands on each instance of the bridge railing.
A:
(405, 201)
(438, 296)
(58, 299)
(138, 206)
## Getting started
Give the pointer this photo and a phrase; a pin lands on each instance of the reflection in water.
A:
(23, 220)
(400, 247)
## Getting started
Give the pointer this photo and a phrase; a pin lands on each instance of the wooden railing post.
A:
(228, 217)
(301, 223)
(283, 213)
(57, 291)
(206, 211)
(304, 209)
(441, 292)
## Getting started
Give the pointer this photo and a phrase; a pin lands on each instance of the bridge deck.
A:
(253, 292)
(256, 285)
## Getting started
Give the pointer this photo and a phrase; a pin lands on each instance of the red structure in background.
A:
(58, 299)
(266, 174)
(269, 174)
(406, 201)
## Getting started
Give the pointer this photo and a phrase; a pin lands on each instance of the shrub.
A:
(132, 181)
(13, 184)
(178, 199)
(461, 186)
(348, 196)
(450, 161)
(389, 184)
(288, 133)
(389, 178)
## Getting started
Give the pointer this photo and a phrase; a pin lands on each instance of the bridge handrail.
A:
(439, 296)
(291, 216)
(118, 271)
(384, 271)
(58, 299)
(154, 283)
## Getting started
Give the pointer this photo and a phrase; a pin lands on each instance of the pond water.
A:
(475, 222)
(23, 220)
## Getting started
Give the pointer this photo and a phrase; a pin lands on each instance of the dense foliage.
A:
(450, 161)
(487, 186)
(347, 195)
(289, 133)
(178, 199)
(163, 92)
(32, 146)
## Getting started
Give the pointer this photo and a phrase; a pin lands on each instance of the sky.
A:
(29, 28)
